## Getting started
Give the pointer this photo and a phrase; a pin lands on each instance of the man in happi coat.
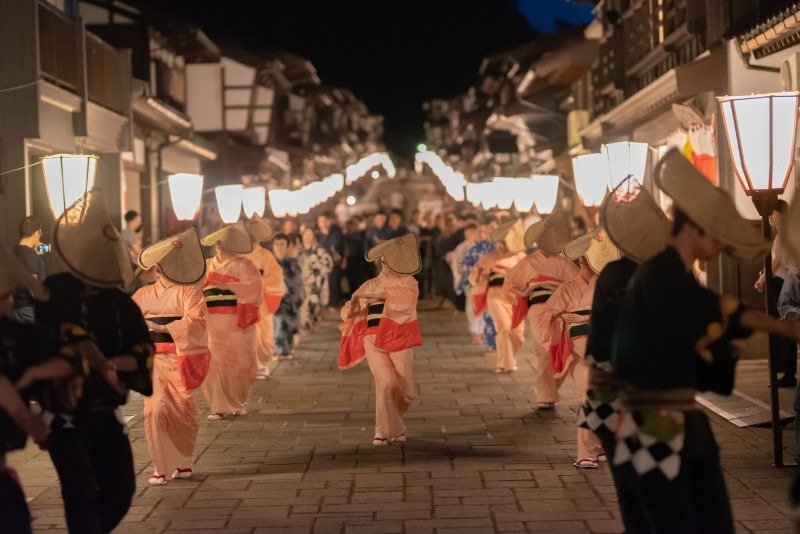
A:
(233, 294)
(673, 339)
(88, 441)
(564, 323)
(274, 290)
(380, 324)
(533, 280)
(287, 318)
(175, 312)
(29, 355)
(490, 272)
(317, 265)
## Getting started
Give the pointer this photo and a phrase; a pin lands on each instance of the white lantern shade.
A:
(254, 201)
(229, 202)
(760, 130)
(625, 159)
(279, 200)
(473, 193)
(186, 193)
(67, 178)
(504, 189)
(591, 178)
(524, 194)
(545, 189)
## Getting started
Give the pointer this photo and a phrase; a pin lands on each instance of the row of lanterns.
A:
(599, 172)
(68, 177)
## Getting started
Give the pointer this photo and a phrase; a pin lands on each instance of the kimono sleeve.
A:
(189, 332)
(550, 325)
(64, 306)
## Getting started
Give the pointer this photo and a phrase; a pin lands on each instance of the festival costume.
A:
(274, 290)
(287, 318)
(233, 294)
(89, 444)
(380, 324)
(316, 264)
(171, 416)
(477, 294)
(673, 339)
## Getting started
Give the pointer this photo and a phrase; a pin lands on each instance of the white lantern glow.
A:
(279, 202)
(375, 175)
(229, 202)
(474, 193)
(254, 201)
(67, 178)
(625, 159)
(504, 190)
(351, 200)
(760, 130)
(186, 193)
(524, 195)
(591, 178)
(545, 189)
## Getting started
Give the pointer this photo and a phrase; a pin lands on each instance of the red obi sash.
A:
(223, 301)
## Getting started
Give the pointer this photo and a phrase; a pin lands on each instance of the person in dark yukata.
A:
(287, 318)
(673, 339)
(640, 230)
(29, 356)
(88, 442)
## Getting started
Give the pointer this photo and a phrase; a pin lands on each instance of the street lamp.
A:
(186, 192)
(591, 181)
(760, 130)
(254, 201)
(229, 202)
(625, 159)
(67, 178)
(545, 192)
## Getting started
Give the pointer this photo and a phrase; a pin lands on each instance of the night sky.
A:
(394, 54)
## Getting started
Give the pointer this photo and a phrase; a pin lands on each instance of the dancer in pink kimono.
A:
(175, 312)
(233, 294)
(564, 323)
(491, 270)
(274, 289)
(533, 281)
(380, 324)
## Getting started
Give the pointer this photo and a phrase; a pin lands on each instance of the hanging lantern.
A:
(279, 202)
(504, 189)
(254, 201)
(229, 202)
(185, 192)
(545, 189)
(524, 195)
(625, 160)
(760, 130)
(591, 178)
(67, 178)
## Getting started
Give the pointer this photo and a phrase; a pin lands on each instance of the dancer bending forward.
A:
(380, 324)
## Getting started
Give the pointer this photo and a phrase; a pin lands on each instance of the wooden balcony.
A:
(107, 75)
(59, 48)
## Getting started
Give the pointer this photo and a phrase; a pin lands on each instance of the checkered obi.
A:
(600, 412)
(652, 430)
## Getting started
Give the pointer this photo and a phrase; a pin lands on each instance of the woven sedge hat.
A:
(790, 229)
(595, 246)
(634, 222)
(550, 234)
(711, 208)
(511, 233)
(179, 256)
(89, 244)
(234, 238)
(259, 228)
(14, 275)
(401, 254)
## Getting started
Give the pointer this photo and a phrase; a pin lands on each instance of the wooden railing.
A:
(106, 72)
(60, 55)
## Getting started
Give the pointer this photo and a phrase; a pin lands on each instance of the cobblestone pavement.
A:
(478, 459)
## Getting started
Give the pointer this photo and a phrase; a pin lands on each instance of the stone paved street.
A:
(478, 458)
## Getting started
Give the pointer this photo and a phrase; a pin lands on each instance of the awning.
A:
(772, 35)
(708, 73)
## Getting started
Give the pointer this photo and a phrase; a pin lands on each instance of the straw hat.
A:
(711, 208)
(634, 222)
(89, 244)
(259, 228)
(14, 275)
(234, 238)
(790, 229)
(595, 246)
(550, 234)
(179, 256)
(511, 233)
(401, 254)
